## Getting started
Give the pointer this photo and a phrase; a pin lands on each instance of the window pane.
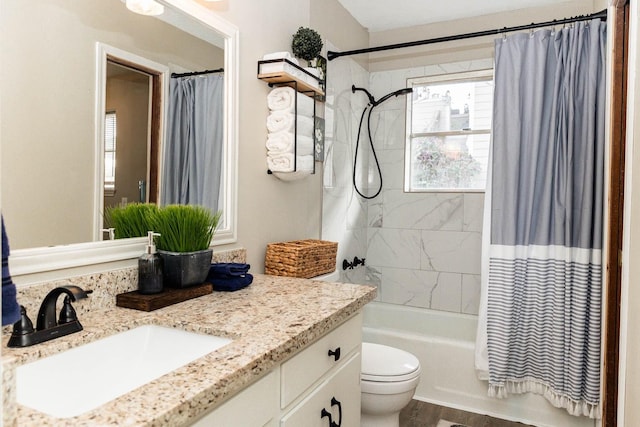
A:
(452, 106)
(110, 130)
(449, 162)
(449, 132)
(109, 166)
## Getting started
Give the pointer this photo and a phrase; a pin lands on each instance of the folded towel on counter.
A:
(284, 142)
(232, 284)
(284, 162)
(284, 99)
(225, 269)
(229, 276)
(10, 307)
(285, 121)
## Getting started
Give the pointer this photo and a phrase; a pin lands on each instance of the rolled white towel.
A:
(283, 142)
(285, 163)
(279, 142)
(281, 162)
(279, 121)
(284, 98)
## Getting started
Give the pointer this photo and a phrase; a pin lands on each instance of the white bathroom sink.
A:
(80, 379)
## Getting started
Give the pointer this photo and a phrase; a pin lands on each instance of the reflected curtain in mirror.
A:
(193, 151)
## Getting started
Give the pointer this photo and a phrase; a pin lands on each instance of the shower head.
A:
(403, 91)
(373, 102)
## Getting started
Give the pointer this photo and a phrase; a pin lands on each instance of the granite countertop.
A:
(269, 321)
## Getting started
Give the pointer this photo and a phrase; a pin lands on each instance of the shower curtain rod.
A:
(602, 14)
(197, 73)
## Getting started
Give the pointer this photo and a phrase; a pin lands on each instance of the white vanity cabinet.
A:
(317, 387)
(325, 375)
(334, 402)
(256, 405)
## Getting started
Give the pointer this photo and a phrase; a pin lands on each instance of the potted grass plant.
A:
(132, 220)
(184, 242)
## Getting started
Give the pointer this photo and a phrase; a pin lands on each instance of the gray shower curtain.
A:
(544, 290)
(193, 151)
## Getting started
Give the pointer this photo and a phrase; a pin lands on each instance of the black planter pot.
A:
(184, 269)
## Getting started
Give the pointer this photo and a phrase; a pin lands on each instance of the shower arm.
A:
(372, 100)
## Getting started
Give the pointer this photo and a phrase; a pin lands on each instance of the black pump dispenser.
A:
(150, 269)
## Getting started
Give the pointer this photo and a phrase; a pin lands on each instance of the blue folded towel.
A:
(10, 307)
(224, 269)
(231, 283)
(229, 276)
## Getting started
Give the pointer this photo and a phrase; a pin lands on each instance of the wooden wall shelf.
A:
(284, 77)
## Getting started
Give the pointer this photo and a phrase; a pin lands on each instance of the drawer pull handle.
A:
(335, 353)
(325, 413)
(334, 402)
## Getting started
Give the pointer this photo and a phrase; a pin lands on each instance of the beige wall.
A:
(271, 210)
(48, 101)
(336, 24)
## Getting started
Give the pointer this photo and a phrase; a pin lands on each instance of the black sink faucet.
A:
(47, 327)
(47, 313)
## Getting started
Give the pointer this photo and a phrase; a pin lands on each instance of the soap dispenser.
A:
(150, 268)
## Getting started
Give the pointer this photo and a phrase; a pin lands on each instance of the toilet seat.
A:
(381, 363)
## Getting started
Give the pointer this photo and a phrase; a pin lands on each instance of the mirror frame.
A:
(44, 259)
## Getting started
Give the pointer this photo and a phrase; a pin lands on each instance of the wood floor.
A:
(422, 414)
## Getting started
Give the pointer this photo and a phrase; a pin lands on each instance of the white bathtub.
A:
(444, 344)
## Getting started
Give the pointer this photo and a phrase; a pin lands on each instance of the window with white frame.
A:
(110, 130)
(448, 132)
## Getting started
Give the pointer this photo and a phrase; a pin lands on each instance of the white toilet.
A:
(388, 379)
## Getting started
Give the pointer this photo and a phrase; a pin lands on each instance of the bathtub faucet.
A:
(350, 265)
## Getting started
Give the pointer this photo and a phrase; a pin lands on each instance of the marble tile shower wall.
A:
(422, 249)
(344, 215)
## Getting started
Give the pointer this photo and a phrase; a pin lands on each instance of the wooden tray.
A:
(169, 296)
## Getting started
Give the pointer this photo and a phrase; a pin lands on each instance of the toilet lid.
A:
(384, 363)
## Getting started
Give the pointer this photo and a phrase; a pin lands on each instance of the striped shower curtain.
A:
(544, 282)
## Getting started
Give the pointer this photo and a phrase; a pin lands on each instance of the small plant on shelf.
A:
(306, 44)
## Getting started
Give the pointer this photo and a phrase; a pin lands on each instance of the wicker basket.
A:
(301, 258)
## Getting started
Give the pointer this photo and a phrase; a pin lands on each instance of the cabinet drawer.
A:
(343, 386)
(254, 406)
(300, 372)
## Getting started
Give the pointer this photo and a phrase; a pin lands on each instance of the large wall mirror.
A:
(68, 64)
